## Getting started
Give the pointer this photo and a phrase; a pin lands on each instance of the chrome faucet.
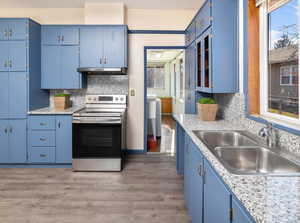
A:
(268, 133)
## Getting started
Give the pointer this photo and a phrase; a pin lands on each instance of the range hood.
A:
(102, 71)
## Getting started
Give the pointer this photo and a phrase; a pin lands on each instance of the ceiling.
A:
(135, 4)
(162, 56)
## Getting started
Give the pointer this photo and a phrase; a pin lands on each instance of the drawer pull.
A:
(43, 124)
(43, 155)
(43, 139)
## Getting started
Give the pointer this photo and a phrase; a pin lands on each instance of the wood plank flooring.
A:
(148, 190)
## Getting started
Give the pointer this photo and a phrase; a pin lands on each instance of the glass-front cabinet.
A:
(204, 59)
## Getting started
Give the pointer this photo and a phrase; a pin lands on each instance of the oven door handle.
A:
(104, 120)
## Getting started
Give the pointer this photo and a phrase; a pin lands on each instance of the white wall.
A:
(135, 121)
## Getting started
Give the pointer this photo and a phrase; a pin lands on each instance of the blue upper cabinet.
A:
(190, 33)
(91, 46)
(13, 29)
(57, 35)
(203, 18)
(59, 67)
(216, 47)
(103, 46)
(217, 199)
(13, 56)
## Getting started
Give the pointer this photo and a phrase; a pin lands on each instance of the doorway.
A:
(164, 96)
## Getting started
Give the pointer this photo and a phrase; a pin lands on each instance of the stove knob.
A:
(122, 99)
(117, 99)
(95, 99)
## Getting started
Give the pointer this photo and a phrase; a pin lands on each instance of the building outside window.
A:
(156, 76)
(279, 59)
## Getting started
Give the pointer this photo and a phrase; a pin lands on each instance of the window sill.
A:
(278, 123)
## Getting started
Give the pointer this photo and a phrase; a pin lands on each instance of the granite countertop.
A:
(52, 111)
(269, 199)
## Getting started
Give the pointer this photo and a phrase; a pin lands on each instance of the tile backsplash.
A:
(232, 107)
(96, 84)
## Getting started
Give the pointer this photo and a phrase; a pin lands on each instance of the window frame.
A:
(290, 75)
(264, 90)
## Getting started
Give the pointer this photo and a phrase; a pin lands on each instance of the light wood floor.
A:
(147, 191)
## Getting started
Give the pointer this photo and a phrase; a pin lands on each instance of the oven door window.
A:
(96, 140)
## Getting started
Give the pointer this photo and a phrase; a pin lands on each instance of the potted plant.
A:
(62, 101)
(207, 109)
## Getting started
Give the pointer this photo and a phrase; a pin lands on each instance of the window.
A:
(279, 59)
(156, 76)
(288, 75)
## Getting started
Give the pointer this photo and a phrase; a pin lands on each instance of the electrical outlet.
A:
(132, 92)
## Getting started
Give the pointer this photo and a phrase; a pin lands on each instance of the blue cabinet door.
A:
(180, 136)
(239, 215)
(114, 47)
(3, 30)
(17, 141)
(70, 78)
(51, 67)
(63, 138)
(18, 29)
(4, 55)
(4, 95)
(187, 172)
(91, 47)
(51, 35)
(4, 141)
(17, 94)
(196, 184)
(69, 35)
(216, 197)
(17, 56)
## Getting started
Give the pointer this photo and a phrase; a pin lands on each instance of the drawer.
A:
(42, 122)
(42, 155)
(42, 138)
(203, 19)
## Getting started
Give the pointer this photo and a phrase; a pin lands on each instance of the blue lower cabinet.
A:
(13, 141)
(187, 172)
(179, 149)
(4, 141)
(50, 139)
(196, 185)
(41, 155)
(217, 198)
(239, 214)
(17, 141)
(63, 139)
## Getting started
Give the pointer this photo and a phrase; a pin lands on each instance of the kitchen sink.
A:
(242, 153)
(214, 139)
(255, 160)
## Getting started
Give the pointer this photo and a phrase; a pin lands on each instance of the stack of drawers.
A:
(42, 139)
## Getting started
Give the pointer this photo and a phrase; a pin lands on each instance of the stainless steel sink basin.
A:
(242, 153)
(255, 160)
(225, 138)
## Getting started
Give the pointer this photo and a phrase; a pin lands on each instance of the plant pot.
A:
(207, 112)
(62, 102)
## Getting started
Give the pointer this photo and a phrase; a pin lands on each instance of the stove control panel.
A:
(105, 99)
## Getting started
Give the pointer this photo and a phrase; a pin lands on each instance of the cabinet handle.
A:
(10, 32)
(5, 33)
(43, 155)
(59, 124)
(200, 170)
(43, 124)
(10, 64)
(10, 129)
(58, 38)
(100, 60)
(42, 139)
(105, 60)
(5, 130)
(62, 38)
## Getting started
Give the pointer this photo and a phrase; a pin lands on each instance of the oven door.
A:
(96, 140)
